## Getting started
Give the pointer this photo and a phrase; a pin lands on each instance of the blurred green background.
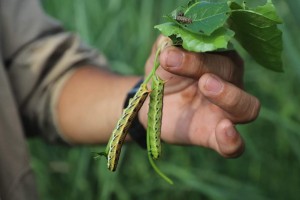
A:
(270, 167)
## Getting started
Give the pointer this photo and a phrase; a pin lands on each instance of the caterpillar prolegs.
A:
(117, 138)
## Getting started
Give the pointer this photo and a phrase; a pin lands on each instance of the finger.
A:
(229, 143)
(193, 65)
(240, 106)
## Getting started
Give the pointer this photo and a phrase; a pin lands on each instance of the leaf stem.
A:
(157, 170)
(156, 65)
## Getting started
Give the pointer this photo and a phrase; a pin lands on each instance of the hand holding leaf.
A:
(216, 24)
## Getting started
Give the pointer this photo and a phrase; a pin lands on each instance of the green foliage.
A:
(269, 169)
(196, 42)
(207, 17)
(213, 25)
(256, 30)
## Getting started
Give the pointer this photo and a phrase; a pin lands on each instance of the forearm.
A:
(90, 104)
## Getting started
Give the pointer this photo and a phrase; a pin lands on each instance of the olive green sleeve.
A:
(38, 74)
(40, 57)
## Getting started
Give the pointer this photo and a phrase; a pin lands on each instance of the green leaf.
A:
(256, 30)
(190, 3)
(206, 16)
(196, 42)
(268, 11)
(236, 6)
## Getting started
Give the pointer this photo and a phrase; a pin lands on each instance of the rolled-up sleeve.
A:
(40, 65)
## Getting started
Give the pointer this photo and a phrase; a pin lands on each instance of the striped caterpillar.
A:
(117, 138)
(114, 146)
(181, 18)
(154, 124)
(155, 116)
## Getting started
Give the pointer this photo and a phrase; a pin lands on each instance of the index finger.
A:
(228, 66)
(240, 106)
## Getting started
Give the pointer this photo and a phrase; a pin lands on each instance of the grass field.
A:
(269, 169)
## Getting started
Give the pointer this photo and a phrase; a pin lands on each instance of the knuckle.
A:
(232, 70)
(232, 98)
(241, 106)
(199, 62)
(223, 66)
(194, 64)
(228, 70)
(199, 58)
(255, 108)
(250, 111)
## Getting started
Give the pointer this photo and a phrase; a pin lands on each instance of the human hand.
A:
(203, 99)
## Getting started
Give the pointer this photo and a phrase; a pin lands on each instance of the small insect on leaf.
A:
(117, 138)
(184, 20)
(155, 116)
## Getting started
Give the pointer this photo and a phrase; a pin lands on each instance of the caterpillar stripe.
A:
(118, 136)
(183, 19)
(155, 116)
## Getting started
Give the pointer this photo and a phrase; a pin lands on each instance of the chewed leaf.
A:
(204, 17)
(207, 17)
(198, 42)
(268, 10)
(204, 26)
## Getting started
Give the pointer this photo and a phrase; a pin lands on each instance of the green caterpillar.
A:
(114, 146)
(154, 124)
(117, 138)
(155, 116)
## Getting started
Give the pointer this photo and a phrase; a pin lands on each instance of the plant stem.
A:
(157, 170)
(156, 65)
